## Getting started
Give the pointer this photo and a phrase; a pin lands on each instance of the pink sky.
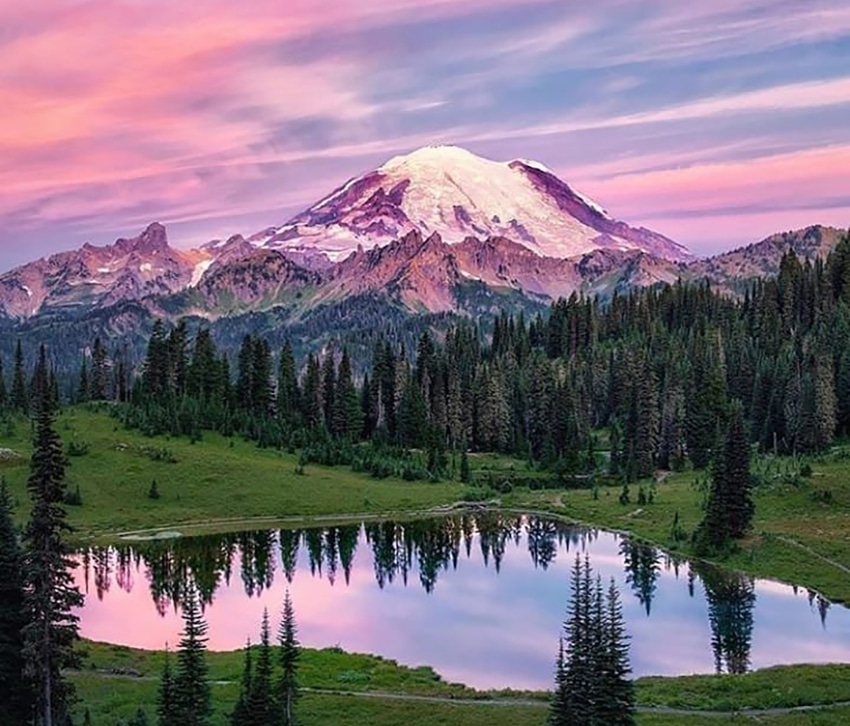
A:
(715, 126)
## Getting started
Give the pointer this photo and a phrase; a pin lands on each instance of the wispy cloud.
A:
(193, 112)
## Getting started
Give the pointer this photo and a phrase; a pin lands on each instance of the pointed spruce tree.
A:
(260, 702)
(591, 672)
(241, 715)
(50, 593)
(191, 684)
(20, 399)
(617, 705)
(4, 396)
(166, 704)
(15, 701)
(83, 387)
(290, 653)
(730, 508)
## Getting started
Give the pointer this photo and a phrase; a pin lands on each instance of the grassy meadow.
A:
(800, 535)
(115, 679)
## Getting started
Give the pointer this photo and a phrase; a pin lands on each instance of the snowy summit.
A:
(451, 191)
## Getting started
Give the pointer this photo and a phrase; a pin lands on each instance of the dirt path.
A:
(530, 703)
(514, 702)
(813, 553)
(176, 528)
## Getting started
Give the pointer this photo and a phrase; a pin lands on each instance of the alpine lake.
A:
(479, 597)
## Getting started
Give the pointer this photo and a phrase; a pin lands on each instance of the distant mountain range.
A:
(437, 231)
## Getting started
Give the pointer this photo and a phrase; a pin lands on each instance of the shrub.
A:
(74, 498)
(77, 448)
(153, 492)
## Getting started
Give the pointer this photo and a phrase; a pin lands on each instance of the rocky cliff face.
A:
(129, 269)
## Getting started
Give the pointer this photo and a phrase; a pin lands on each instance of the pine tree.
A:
(290, 653)
(155, 371)
(4, 396)
(166, 702)
(83, 388)
(617, 705)
(241, 715)
(50, 593)
(261, 378)
(591, 672)
(465, 473)
(730, 507)
(347, 415)
(20, 399)
(288, 395)
(15, 695)
(191, 684)
(99, 372)
(328, 390)
(571, 704)
(260, 703)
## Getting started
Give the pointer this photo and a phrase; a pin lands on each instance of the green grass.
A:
(214, 479)
(781, 512)
(219, 483)
(778, 687)
(117, 679)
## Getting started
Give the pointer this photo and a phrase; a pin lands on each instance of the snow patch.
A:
(199, 271)
(27, 290)
(338, 193)
(104, 270)
(145, 267)
(531, 164)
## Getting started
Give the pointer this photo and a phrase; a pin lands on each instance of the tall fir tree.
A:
(241, 716)
(20, 398)
(50, 595)
(166, 702)
(591, 673)
(288, 394)
(730, 508)
(290, 654)
(260, 702)
(15, 693)
(99, 374)
(191, 683)
(617, 706)
(4, 394)
(83, 386)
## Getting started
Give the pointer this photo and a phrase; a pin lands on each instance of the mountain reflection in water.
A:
(479, 597)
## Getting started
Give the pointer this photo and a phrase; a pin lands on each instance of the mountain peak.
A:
(443, 155)
(152, 240)
(458, 194)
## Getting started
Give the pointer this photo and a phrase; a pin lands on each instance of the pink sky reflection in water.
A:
(485, 628)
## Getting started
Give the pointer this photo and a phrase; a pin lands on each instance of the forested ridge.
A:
(654, 372)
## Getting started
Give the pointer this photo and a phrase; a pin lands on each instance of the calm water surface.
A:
(479, 598)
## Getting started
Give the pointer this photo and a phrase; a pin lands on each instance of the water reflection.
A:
(479, 597)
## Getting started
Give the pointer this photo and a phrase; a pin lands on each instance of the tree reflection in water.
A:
(402, 551)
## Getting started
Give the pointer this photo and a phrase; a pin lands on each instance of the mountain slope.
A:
(762, 258)
(129, 269)
(451, 191)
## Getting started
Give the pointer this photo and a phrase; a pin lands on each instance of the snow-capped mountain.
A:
(448, 190)
(437, 230)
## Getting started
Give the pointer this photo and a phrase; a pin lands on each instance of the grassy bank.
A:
(799, 535)
(116, 679)
(214, 479)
